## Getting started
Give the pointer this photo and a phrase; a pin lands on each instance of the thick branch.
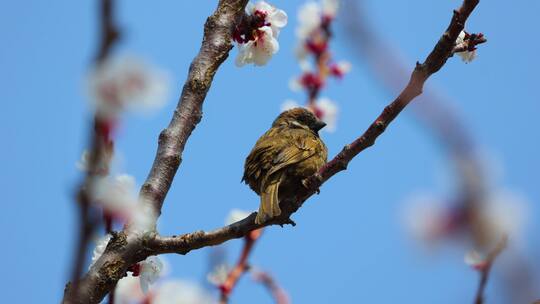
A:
(435, 60)
(120, 253)
(215, 48)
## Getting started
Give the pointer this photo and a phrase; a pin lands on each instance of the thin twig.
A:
(485, 271)
(278, 293)
(100, 146)
(241, 266)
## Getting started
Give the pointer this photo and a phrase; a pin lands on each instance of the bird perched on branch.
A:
(283, 158)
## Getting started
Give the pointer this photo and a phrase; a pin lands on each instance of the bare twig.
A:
(100, 147)
(241, 266)
(485, 271)
(278, 293)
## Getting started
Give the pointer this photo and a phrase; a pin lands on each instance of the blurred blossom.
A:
(324, 108)
(506, 214)
(312, 14)
(327, 111)
(143, 219)
(101, 245)
(309, 19)
(257, 38)
(219, 275)
(181, 292)
(128, 291)
(102, 167)
(82, 164)
(150, 271)
(236, 215)
(341, 68)
(476, 260)
(117, 195)
(466, 56)
(425, 217)
(330, 7)
(121, 83)
(289, 104)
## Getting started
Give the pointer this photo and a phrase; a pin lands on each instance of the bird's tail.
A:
(269, 207)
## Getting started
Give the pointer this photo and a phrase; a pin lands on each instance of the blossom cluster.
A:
(466, 45)
(500, 215)
(257, 34)
(124, 83)
(315, 59)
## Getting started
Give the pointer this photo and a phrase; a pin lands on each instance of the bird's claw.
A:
(312, 183)
(288, 221)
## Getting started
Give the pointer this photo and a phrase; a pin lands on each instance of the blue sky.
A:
(350, 244)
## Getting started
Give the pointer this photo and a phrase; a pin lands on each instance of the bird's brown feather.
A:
(281, 158)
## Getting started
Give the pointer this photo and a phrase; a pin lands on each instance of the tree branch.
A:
(433, 63)
(120, 253)
(241, 266)
(217, 43)
(485, 271)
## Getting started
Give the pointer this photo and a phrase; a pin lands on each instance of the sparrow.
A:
(283, 157)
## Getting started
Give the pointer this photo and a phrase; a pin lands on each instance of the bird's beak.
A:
(319, 125)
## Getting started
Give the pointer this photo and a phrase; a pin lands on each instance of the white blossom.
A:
(126, 82)
(116, 194)
(324, 108)
(328, 113)
(265, 44)
(150, 271)
(309, 19)
(258, 51)
(342, 67)
(424, 217)
(277, 18)
(330, 7)
(181, 292)
(219, 275)
(475, 259)
(82, 163)
(236, 215)
(289, 104)
(295, 84)
(128, 290)
(466, 56)
(143, 219)
(506, 214)
(101, 245)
